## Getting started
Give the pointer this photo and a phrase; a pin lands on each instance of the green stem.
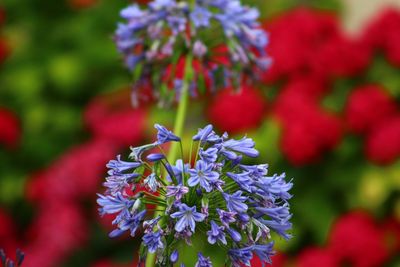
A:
(178, 130)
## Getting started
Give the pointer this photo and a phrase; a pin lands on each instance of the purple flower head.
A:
(239, 205)
(164, 135)
(203, 261)
(176, 191)
(226, 217)
(216, 234)
(188, 216)
(235, 202)
(200, 16)
(153, 241)
(203, 173)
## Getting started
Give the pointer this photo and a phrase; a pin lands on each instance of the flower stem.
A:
(178, 130)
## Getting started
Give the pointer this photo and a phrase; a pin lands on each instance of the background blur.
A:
(327, 113)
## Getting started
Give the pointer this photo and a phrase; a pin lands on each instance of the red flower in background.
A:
(236, 112)
(367, 106)
(383, 143)
(316, 257)
(308, 130)
(10, 128)
(357, 239)
(111, 117)
(305, 42)
(75, 175)
(383, 34)
(58, 229)
(8, 240)
(391, 228)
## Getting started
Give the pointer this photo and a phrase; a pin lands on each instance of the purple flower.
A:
(113, 204)
(277, 213)
(187, 218)
(264, 251)
(280, 227)
(206, 135)
(240, 255)
(275, 186)
(203, 261)
(202, 174)
(210, 155)
(129, 222)
(244, 146)
(176, 191)
(117, 183)
(120, 166)
(164, 135)
(137, 152)
(226, 217)
(216, 234)
(200, 16)
(153, 241)
(235, 202)
(242, 179)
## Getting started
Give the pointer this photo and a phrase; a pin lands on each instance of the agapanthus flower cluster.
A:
(215, 195)
(223, 36)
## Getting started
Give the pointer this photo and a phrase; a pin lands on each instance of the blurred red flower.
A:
(58, 229)
(111, 117)
(383, 143)
(383, 34)
(366, 106)
(308, 130)
(236, 112)
(316, 257)
(10, 128)
(356, 238)
(75, 175)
